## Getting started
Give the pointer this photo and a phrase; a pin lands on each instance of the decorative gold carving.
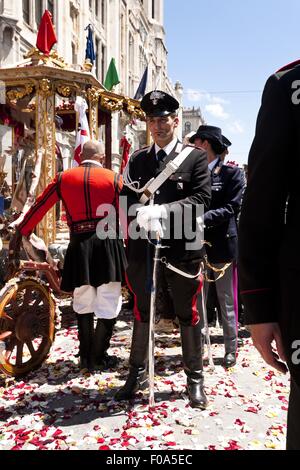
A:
(45, 139)
(3, 175)
(45, 88)
(93, 95)
(58, 60)
(20, 92)
(93, 118)
(37, 57)
(66, 89)
(133, 107)
(87, 66)
(111, 103)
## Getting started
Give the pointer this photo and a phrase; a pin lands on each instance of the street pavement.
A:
(59, 407)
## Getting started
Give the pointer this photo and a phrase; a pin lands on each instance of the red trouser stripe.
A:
(195, 313)
(136, 311)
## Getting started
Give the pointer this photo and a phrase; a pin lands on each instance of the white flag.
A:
(83, 131)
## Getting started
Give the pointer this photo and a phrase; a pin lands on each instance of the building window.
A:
(187, 127)
(74, 18)
(143, 61)
(100, 60)
(103, 12)
(131, 52)
(97, 53)
(153, 9)
(154, 81)
(26, 11)
(74, 53)
(39, 6)
(122, 34)
(103, 52)
(50, 7)
(97, 8)
(7, 45)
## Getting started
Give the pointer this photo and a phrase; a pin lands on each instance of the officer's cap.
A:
(158, 103)
(211, 133)
(226, 142)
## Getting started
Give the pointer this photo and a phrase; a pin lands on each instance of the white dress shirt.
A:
(168, 148)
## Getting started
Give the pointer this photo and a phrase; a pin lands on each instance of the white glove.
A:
(154, 226)
(148, 218)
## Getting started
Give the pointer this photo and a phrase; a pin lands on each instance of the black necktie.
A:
(161, 154)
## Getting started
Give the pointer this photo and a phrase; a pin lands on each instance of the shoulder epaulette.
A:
(289, 66)
(231, 168)
(231, 163)
(286, 68)
(139, 151)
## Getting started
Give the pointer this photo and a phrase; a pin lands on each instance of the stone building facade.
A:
(191, 120)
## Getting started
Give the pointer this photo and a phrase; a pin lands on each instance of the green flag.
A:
(112, 77)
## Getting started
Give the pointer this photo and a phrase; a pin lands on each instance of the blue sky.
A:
(230, 46)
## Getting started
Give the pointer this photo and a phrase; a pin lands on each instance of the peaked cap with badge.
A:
(159, 103)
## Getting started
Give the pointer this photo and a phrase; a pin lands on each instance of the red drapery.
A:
(46, 37)
(125, 154)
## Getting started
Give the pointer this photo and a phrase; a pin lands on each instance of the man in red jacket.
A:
(94, 265)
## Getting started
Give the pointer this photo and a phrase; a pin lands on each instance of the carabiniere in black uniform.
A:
(189, 186)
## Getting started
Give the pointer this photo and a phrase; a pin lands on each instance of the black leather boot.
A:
(191, 341)
(102, 337)
(138, 375)
(85, 335)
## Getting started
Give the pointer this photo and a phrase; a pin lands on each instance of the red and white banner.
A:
(83, 131)
(125, 145)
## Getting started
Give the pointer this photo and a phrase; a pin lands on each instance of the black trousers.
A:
(184, 291)
(293, 427)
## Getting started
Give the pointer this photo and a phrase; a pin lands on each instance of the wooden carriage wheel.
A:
(27, 326)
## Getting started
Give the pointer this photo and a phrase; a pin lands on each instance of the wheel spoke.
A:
(10, 347)
(12, 307)
(38, 300)
(5, 335)
(31, 348)
(19, 356)
(7, 317)
(27, 297)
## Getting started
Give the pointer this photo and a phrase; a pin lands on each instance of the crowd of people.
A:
(172, 189)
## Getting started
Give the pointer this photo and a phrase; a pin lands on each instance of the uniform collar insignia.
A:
(217, 169)
(156, 96)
